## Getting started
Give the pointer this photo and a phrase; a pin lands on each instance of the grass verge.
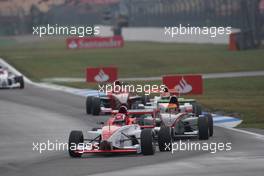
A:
(50, 58)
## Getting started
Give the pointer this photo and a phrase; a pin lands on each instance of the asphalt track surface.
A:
(37, 115)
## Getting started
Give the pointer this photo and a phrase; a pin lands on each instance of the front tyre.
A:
(147, 142)
(88, 104)
(210, 125)
(75, 138)
(203, 131)
(96, 106)
(164, 138)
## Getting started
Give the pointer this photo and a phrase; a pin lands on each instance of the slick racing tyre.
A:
(96, 106)
(164, 138)
(147, 142)
(89, 105)
(203, 131)
(20, 80)
(197, 109)
(145, 99)
(22, 83)
(76, 137)
(210, 125)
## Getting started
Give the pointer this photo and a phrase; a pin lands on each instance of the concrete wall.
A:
(158, 35)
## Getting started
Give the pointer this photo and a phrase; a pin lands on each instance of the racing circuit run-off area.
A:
(121, 87)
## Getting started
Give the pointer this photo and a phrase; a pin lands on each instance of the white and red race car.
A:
(105, 104)
(9, 80)
(180, 121)
(121, 134)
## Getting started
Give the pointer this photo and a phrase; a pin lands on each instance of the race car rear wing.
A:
(160, 91)
(138, 111)
(151, 112)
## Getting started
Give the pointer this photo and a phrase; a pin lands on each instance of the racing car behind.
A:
(9, 80)
(176, 123)
(104, 104)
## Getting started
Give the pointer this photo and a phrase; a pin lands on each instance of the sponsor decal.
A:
(94, 42)
(184, 84)
(183, 87)
(72, 44)
(101, 75)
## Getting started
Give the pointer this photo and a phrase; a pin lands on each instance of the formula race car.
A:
(121, 134)
(183, 104)
(161, 102)
(104, 104)
(8, 80)
(177, 125)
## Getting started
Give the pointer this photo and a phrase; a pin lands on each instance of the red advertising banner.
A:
(184, 84)
(94, 42)
(101, 75)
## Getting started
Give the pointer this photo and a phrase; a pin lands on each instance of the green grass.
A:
(6, 42)
(50, 58)
(239, 97)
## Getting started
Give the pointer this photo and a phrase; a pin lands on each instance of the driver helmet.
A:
(173, 104)
(123, 110)
(117, 82)
(120, 119)
(165, 94)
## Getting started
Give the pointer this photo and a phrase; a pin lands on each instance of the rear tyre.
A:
(197, 109)
(20, 79)
(96, 106)
(164, 138)
(135, 105)
(76, 137)
(89, 101)
(147, 142)
(210, 125)
(203, 128)
(145, 99)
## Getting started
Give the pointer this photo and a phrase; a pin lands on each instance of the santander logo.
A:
(183, 87)
(101, 76)
(73, 45)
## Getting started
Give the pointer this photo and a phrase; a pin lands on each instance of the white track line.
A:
(3, 63)
(256, 135)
